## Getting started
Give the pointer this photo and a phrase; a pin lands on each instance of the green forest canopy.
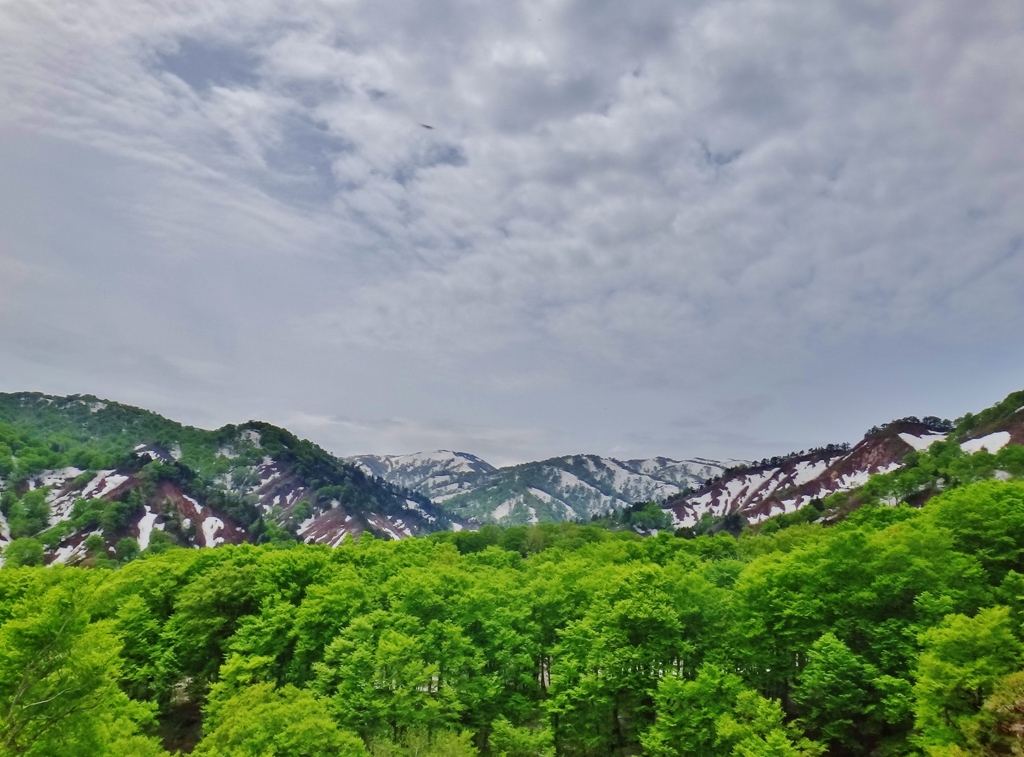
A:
(897, 631)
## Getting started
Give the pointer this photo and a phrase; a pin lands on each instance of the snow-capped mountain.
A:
(573, 487)
(561, 488)
(686, 474)
(438, 475)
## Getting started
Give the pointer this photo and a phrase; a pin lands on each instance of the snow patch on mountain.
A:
(924, 441)
(438, 475)
(570, 487)
(104, 483)
(211, 527)
(146, 527)
(541, 495)
(991, 443)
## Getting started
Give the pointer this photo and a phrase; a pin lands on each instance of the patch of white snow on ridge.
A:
(991, 443)
(572, 484)
(541, 495)
(58, 477)
(415, 507)
(702, 502)
(502, 510)
(195, 504)
(337, 542)
(921, 443)
(267, 481)
(64, 554)
(384, 525)
(623, 479)
(807, 471)
(853, 480)
(210, 528)
(306, 524)
(688, 522)
(60, 507)
(87, 491)
(104, 483)
(146, 527)
(400, 525)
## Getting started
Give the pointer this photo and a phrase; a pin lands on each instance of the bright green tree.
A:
(263, 721)
(962, 660)
(23, 552)
(688, 713)
(834, 690)
(714, 715)
(507, 740)
(58, 680)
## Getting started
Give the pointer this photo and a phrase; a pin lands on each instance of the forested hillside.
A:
(78, 468)
(895, 631)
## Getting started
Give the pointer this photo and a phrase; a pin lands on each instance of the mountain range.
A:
(78, 466)
(560, 488)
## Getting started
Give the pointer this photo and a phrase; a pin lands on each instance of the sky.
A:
(729, 229)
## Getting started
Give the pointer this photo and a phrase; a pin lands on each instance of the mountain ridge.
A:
(782, 486)
(78, 467)
(247, 482)
(558, 488)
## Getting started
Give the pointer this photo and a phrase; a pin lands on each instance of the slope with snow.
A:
(762, 491)
(271, 487)
(438, 475)
(574, 487)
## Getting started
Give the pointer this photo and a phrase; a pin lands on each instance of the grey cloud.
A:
(626, 214)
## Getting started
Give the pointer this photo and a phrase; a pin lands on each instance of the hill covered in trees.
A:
(74, 468)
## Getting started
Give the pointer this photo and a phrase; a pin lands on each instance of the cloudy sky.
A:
(728, 228)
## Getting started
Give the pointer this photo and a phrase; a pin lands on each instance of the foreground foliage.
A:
(897, 631)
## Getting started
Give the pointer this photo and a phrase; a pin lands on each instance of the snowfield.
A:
(991, 443)
(146, 527)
